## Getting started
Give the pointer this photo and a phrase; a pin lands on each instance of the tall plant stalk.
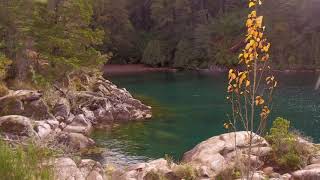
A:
(250, 90)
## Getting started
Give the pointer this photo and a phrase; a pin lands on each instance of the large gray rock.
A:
(26, 103)
(62, 109)
(66, 169)
(75, 141)
(37, 110)
(103, 116)
(310, 174)
(80, 124)
(43, 129)
(213, 156)
(17, 125)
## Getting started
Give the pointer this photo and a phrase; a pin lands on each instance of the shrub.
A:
(3, 90)
(229, 174)
(4, 65)
(153, 175)
(169, 159)
(24, 163)
(287, 153)
(185, 171)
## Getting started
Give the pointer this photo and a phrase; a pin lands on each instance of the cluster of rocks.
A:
(219, 155)
(70, 115)
(74, 113)
(87, 169)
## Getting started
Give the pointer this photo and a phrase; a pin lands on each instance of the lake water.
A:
(191, 107)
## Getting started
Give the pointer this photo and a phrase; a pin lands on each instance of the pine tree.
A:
(63, 34)
(153, 54)
(113, 17)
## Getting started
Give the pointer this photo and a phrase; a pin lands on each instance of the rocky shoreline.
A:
(64, 118)
(218, 157)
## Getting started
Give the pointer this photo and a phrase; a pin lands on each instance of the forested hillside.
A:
(56, 36)
(199, 33)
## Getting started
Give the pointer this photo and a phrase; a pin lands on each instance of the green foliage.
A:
(15, 24)
(64, 36)
(208, 32)
(153, 55)
(24, 163)
(113, 17)
(39, 80)
(4, 65)
(288, 153)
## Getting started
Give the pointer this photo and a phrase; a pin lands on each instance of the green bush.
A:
(24, 163)
(4, 65)
(286, 151)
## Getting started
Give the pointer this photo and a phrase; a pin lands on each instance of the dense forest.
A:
(61, 35)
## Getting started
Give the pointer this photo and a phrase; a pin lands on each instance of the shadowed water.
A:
(191, 107)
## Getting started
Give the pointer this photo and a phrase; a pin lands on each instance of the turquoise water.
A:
(191, 107)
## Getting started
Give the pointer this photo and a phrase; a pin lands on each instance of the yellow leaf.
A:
(249, 23)
(251, 4)
(252, 42)
(248, 46)
(259, 21)
(243, 77)
(253, 14)
(247, 83)
(259, 100)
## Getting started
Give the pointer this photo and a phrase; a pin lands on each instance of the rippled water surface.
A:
(191, 107)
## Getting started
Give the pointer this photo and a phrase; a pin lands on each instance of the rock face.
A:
(213, 156)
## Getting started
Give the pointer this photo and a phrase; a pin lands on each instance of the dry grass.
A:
(3, 90)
